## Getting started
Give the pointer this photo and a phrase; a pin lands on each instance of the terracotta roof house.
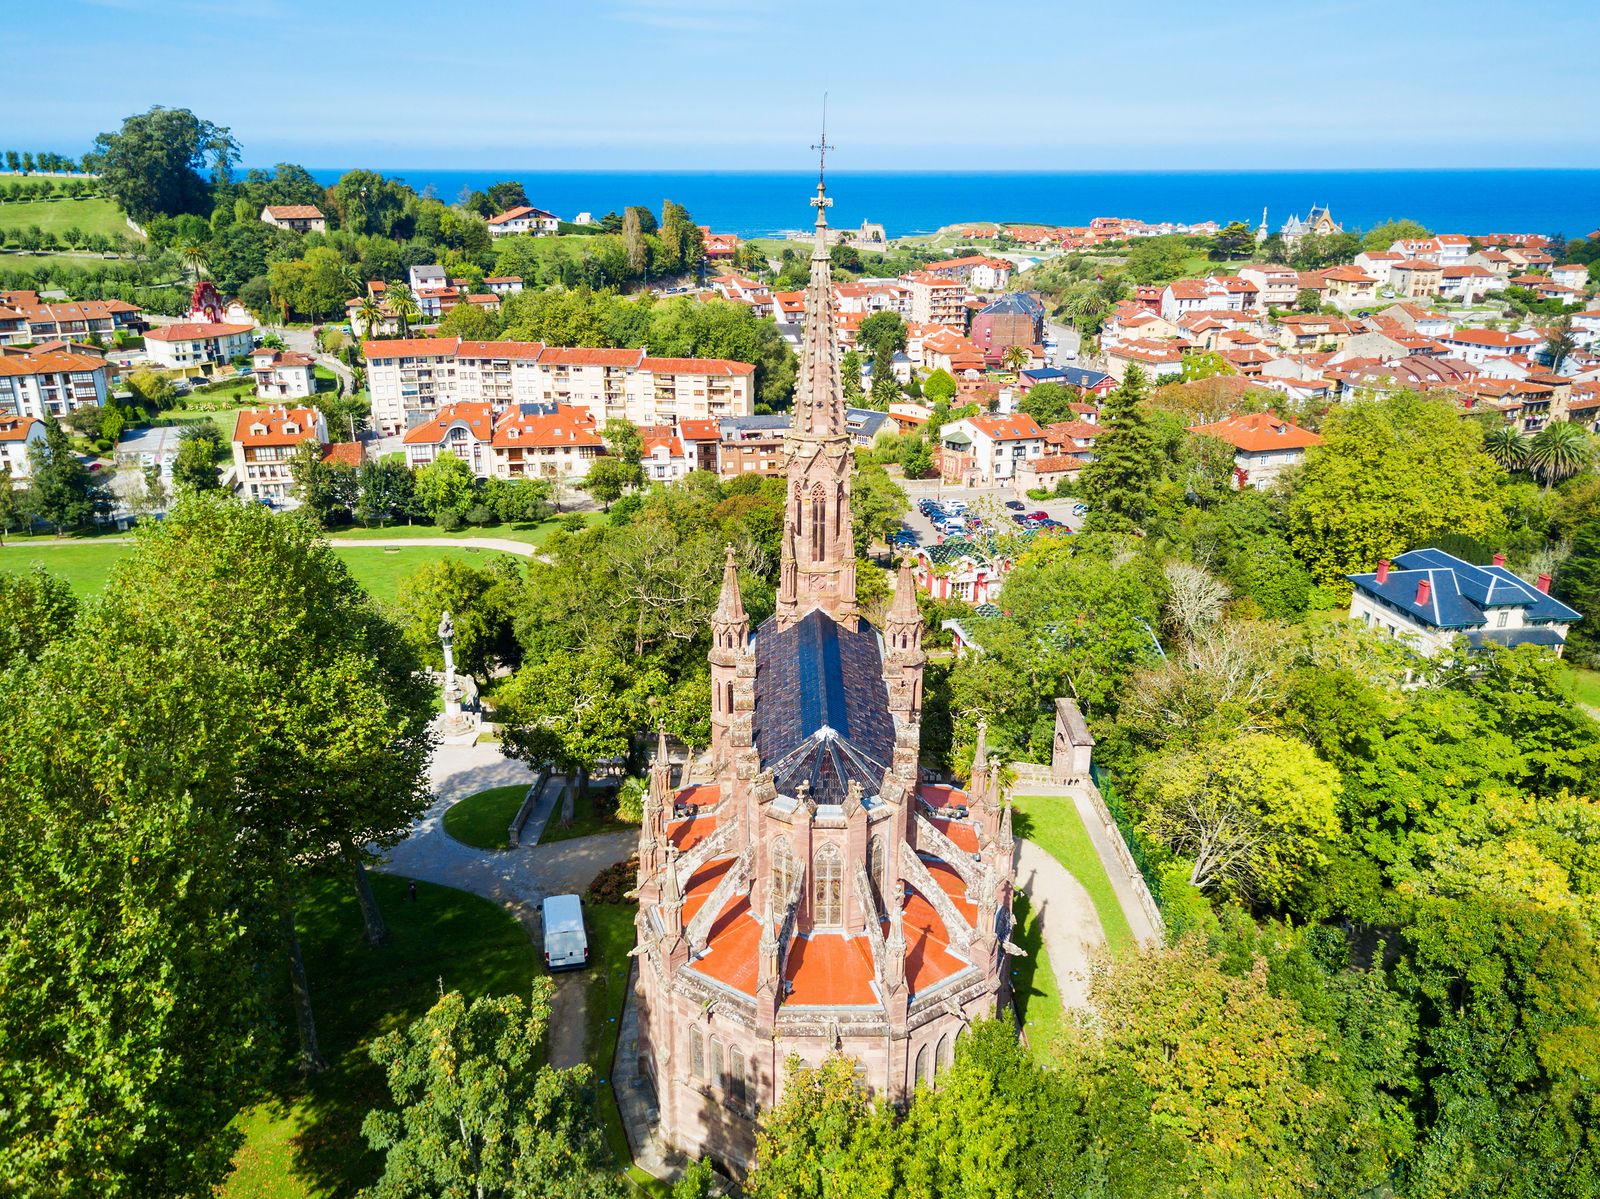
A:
(1264, 446)
(301, 218)
(265, 441)
(18, 434)
(524, 219)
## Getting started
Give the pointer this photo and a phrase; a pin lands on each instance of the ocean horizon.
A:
(907, 203)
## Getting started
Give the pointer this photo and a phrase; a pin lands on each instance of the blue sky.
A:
(737, 83)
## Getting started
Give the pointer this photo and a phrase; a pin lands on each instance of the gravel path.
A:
(1072, 932)
(517, 879)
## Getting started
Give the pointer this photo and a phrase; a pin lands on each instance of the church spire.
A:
(818, 566)
(819, 393)
(730, 606)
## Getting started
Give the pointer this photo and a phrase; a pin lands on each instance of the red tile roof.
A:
(1016, 427)
(294, 212)
(696, 366)
(196, 331)
(17, 428)
(1259, 432)
(275, 426)
(478, 418)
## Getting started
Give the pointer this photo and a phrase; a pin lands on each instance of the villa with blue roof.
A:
(1430, 598)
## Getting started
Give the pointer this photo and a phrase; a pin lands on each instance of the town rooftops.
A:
(477, 419)
(1258, 433)
(535, 425)
(1458, 594)
(951, 264)
(196, 331)
(294, 212)
(18, 428)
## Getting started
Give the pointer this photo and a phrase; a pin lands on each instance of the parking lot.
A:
(986, 502)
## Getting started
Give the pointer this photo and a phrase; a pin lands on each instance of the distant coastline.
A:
(907, 203)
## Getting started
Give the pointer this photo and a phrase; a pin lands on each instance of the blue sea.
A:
(753, 203)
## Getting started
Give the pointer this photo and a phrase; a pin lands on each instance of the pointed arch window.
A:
(922, 1074)
(827, 903)
(783, 874)
(819, 524)
(876, 862)
(717, 1059)
(697, 1054)
(942, 1058)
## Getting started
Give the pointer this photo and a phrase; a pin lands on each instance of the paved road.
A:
(503, 544)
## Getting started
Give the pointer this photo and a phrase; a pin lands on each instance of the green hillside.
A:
(92, 215)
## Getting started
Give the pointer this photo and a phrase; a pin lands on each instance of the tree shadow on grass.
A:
(443, 939)
(1028, 935)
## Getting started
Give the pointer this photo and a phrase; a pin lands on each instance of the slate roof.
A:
(822, 710)
(1461, 592)
(1014, 302)
(1073, 376)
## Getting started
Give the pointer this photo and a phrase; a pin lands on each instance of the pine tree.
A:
(1119, 484)
(65, 493)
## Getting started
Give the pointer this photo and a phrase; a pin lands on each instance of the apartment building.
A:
(265, 441)
(1276, 286)
(195, 345)
(984, 450)
(18, 435)
(523, 441)
(411, 379)
(51, 382)
(937, 300)
(25, 318)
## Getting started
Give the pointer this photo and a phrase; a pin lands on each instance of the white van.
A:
(566, 946)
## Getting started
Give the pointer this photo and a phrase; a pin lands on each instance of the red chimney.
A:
(1499, 560)
(1543, 583)
(1424, 590)
(1383, 570)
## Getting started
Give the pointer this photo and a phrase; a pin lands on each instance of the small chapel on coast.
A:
(815, 897)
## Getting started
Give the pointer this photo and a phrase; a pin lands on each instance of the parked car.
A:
(1080, 510)
(1041, 514)
(1020, 519)
(1015, 505)
(956, 506)
(566, 945)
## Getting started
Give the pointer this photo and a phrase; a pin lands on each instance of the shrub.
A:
(613, 883)
(630, 801)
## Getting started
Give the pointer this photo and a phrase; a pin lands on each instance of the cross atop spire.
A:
(822, 147)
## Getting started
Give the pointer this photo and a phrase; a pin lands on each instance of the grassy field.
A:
(86, 563)
(14, 260)
(1033, 982)
(1052, 823)
(481, 820)
(1584, 685)
(93, 215)
(304, 1140)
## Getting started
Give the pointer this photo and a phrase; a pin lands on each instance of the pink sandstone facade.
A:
(815, 896)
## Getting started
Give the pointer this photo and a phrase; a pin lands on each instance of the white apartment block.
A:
(189, 345)
(412, 379)
(51, 383)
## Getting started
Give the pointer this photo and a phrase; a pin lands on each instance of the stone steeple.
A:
(730, 634)
(819, 562)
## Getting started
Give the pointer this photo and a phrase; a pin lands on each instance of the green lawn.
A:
(481, 820)
(1033, 982)
(15, 260)
(225, 414)
(588, 818)
(1052, 823)
(1584, 684)
(304, 1140)
(380, 568)
(86, 563)
(94, 215)
(611, 936)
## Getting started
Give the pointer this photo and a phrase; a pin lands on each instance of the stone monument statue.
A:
(455, 721)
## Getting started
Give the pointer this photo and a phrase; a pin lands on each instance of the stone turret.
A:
(730, 633)
(904, 657)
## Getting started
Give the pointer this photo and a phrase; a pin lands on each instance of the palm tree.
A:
(404, 306)
(195, 256)
(1507, 447)
(368, 315)
(1559, 450)
(1015, 358)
